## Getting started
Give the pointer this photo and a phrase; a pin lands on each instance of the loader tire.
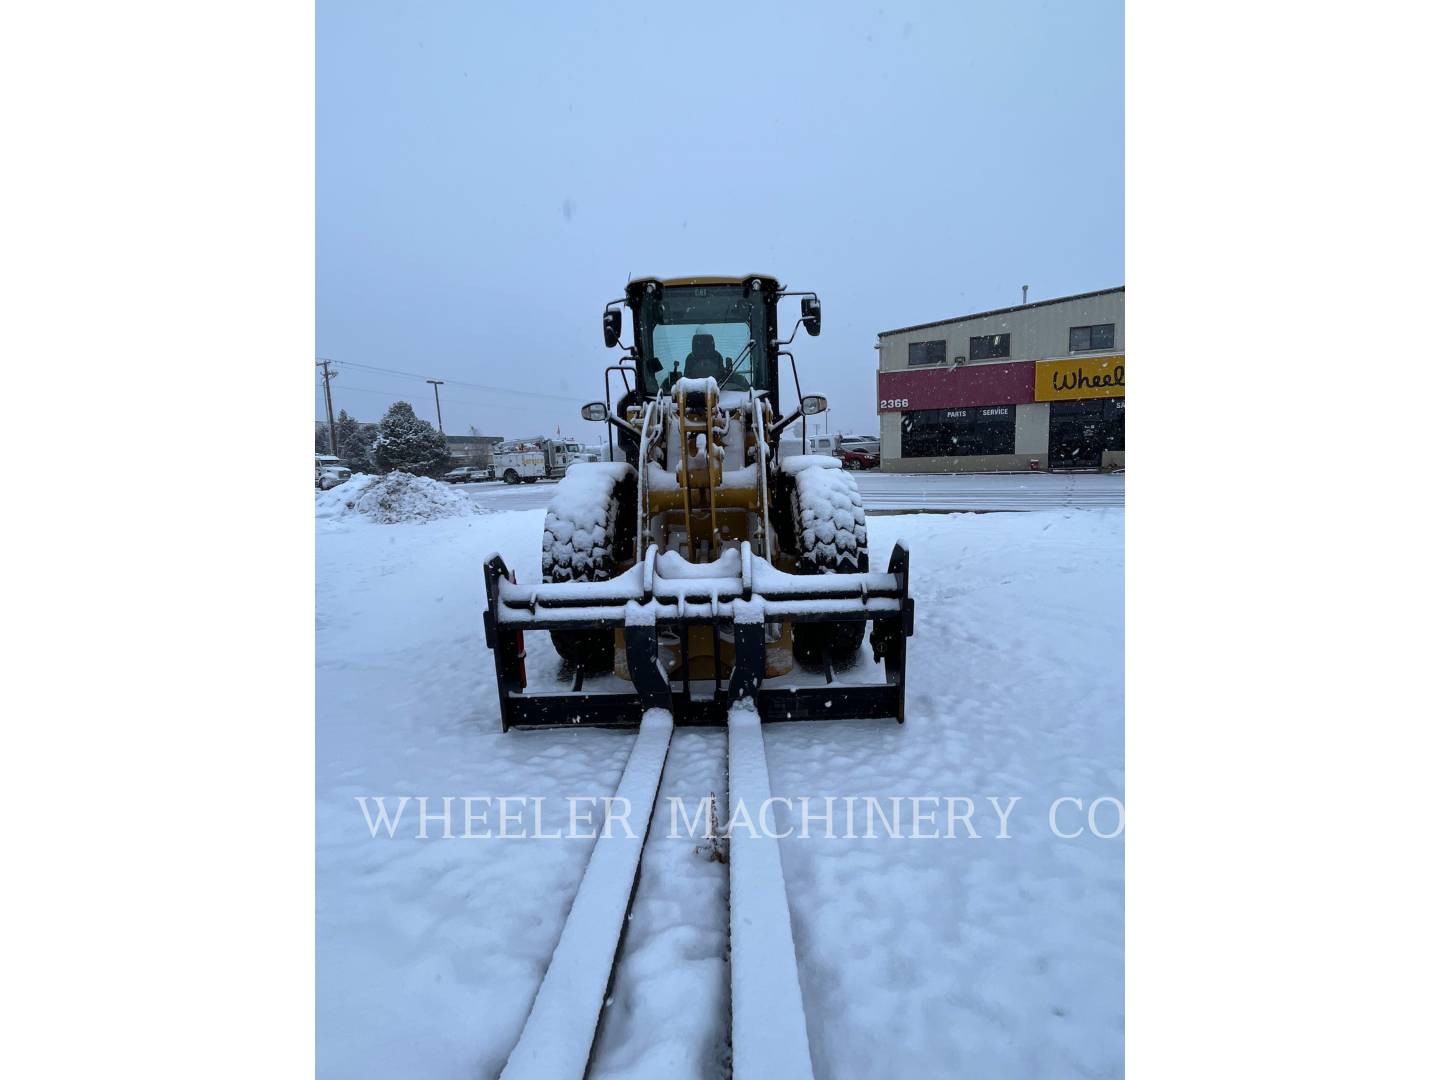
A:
(830, 538)
(580, 545)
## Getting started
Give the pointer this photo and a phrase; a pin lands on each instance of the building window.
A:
(1115, 424)
(958, 432)
(990, 347)
(922, 353)
(1090, 338)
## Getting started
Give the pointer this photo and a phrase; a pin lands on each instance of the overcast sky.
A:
(488, 176)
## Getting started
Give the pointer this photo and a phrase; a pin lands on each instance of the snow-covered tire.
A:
(829, 515)
(830, 538)
(511, 476)
(582, 525)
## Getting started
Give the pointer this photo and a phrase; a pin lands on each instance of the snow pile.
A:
(396, 499)
(580, 521)
(340, 500)
(830, 514)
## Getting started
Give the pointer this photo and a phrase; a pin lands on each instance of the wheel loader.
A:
(697, 566)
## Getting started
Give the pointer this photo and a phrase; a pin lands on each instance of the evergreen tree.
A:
(354, 452)
(408, 444)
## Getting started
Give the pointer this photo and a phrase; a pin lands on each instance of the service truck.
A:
(528, 460)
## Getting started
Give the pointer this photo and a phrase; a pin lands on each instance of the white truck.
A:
(329, 472)
(528, 460)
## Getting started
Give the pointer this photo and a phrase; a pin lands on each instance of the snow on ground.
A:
(767, 1016)
(561, 1026)
(676, 946)
(982, 957)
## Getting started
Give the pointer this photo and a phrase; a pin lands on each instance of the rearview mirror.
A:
(810, 315)
(596, 410)
(612, 331)
(811, 404)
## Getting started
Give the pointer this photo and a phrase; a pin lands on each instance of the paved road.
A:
(498, 495)
(901, 492)
(989, 491)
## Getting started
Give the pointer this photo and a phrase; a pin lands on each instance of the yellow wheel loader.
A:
(697, 566)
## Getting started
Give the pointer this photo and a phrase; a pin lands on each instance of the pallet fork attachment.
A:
(642, 602)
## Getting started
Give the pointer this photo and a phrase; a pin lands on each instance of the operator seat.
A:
(704, 359)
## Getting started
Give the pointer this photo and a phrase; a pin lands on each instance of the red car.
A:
(855, 458)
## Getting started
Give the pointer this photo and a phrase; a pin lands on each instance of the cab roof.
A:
(704, 280)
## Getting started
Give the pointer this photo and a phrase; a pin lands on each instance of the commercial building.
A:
(476, 451)
(1039, 386)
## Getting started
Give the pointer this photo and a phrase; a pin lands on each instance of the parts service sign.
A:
(1089, 377)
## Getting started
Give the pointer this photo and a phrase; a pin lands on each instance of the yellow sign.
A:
(1086, 377)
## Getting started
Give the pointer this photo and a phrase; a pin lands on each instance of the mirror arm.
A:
(777, 428)
(623, 425)
(793, 331)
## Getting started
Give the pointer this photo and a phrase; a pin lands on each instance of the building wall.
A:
(1036, 331)
(889, 439)
(1032, 431)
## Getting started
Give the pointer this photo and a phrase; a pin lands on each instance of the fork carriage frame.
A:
(734, 603)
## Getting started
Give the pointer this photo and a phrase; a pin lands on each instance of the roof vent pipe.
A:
(1024, 294)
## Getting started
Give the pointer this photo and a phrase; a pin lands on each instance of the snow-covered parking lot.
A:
(903, 492)
(984, 957)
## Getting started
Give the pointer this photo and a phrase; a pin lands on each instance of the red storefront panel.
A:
(957, 387)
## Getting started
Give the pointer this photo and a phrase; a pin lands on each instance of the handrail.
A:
(682, 473)
(648, 420)
(762, 472)
(713, 480)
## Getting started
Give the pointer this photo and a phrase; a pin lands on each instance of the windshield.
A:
(695, 331)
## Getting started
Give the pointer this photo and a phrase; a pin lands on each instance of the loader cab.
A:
(694, 328)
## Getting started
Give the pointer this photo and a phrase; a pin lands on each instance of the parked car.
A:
(329, 472)
(857, 457)
(469, 474)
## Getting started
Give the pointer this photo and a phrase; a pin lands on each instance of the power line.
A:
(398, 394)
(459, 382)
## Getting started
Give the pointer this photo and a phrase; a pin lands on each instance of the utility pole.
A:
(329, 405)
(437, 383)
